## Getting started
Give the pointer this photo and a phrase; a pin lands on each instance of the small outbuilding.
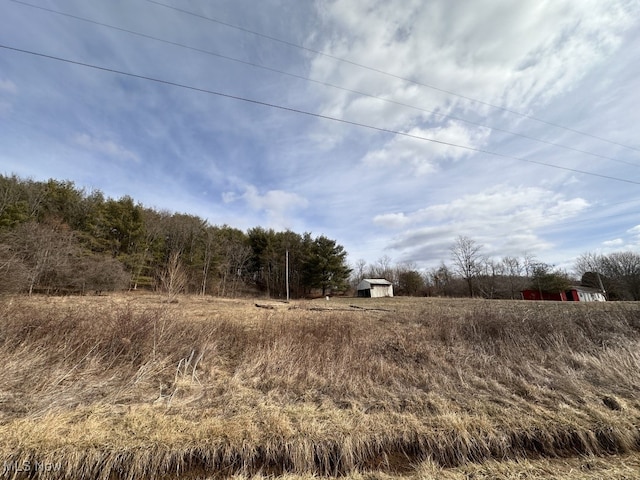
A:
(585, 294)
(375, 288)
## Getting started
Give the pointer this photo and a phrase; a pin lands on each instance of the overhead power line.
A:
(321, 82)
(392, 75)
(311, 114)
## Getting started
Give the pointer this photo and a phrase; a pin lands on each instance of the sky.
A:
(393, 127)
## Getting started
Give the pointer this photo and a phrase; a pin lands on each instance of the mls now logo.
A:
(30, 467)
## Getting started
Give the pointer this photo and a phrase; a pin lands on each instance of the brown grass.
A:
(131, 387)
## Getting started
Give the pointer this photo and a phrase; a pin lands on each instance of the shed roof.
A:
(377, 281)
(582, 288)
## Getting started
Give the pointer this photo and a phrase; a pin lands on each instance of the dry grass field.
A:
(131, 387)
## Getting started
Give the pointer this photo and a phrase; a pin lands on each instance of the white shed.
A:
(375, 287)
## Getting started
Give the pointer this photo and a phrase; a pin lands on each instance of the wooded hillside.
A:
(58, 238)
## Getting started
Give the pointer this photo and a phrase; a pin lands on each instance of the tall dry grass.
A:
(106, 388)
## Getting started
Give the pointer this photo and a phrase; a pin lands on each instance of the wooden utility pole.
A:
(287, 273)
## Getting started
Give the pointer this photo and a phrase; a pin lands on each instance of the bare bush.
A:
(174, 277)
(14, 274)
(98, 273)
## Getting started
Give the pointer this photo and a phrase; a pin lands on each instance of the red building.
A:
(538, 295)
(574, 294)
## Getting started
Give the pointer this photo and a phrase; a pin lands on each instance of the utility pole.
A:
(604, 292)
(287, 273)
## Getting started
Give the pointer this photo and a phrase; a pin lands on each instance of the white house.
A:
(585, 294)
(375, 287)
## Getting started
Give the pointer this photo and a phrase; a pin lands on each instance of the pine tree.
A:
(326, 266)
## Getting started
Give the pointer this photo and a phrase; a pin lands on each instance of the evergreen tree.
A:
(326, 266)
(410, 282)
(546, 280)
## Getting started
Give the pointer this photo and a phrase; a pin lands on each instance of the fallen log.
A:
(264, 305)
(371, 309)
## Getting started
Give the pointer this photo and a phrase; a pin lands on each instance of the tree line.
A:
(471, 273)
(57, 238)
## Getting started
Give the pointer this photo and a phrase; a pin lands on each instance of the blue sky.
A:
(512, 123)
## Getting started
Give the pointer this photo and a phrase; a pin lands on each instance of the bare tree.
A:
(513, 269)
(173, 278)
(489, 274)
(466, 257)
(46, 252)
(441, 280)
(529, 263)
(239, 256)
(382, 269)
(588, 262)
(208, 244)
(624, 269)
(358, 271)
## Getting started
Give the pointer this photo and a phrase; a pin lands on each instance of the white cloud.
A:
(273, 200)
(531, 207)
(504, 219)
(105, 147)
(520, 55)
(422, 155)
(392, 220)
(277, 204)
(635, 230)
(613, 243)
(634, 238)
